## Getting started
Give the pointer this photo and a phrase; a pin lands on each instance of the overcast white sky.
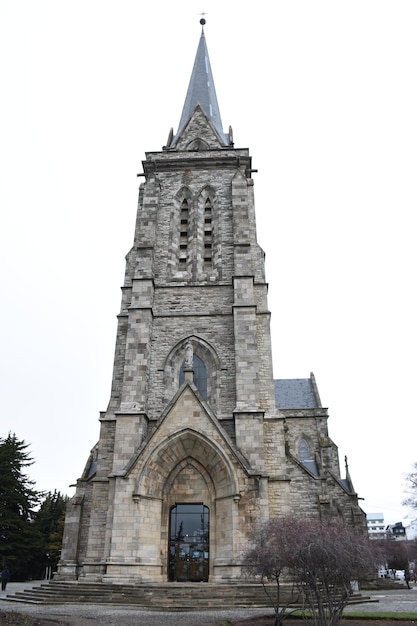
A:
(324, 95)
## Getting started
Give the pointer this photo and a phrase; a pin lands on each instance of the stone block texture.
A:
(178, 435)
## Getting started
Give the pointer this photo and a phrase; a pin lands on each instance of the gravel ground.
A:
(398, 600)
(92, 615)
(95, 615)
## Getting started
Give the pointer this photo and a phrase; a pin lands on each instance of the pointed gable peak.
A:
(199, 133)
(201, 91)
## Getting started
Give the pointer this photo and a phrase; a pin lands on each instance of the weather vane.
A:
(202, 21)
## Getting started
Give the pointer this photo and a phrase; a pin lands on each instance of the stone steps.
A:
(173, 595)
(166, 596)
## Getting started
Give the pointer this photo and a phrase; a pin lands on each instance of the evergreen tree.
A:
(19, 539)
(49, 523)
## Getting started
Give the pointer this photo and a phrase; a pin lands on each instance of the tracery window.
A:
(306, 457)
(303, 450)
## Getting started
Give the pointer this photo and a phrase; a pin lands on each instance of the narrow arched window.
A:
(306, 457)
(208, 233)
(184, 233)
(303, 450)
(199, 375)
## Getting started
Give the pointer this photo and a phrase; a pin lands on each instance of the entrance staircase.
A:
(157, 597)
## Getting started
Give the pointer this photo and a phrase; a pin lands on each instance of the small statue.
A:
(188, 363)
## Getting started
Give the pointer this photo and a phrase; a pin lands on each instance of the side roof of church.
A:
(296, 393)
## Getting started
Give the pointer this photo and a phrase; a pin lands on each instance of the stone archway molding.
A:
(193, 447)
(175, 358)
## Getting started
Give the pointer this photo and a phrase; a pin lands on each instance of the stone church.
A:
(199, 443)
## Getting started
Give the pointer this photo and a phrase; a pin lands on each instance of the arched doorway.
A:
(189, 543)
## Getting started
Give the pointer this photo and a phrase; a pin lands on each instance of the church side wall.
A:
(292, 489)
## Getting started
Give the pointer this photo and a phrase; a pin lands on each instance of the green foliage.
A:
(49, 524)
(31, 523)
(382, 615)
(18, 499)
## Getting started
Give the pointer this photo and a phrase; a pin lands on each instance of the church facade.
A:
(198, 443)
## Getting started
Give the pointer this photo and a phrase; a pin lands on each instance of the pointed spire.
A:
(201, 89)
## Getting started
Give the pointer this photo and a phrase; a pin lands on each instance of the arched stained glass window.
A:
(306, 457)
(303, 450)
(200, 375)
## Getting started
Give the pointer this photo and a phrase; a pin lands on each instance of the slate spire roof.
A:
(201, 90)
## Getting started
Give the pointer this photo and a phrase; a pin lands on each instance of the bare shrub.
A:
(320, 560)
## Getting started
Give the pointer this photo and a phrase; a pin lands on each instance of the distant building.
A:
(396, 531)
(411, 530)
(376, 525)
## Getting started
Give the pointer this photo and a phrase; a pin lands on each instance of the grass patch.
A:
(17, 619)
(385, 615)
(364, 616)
(14, 618)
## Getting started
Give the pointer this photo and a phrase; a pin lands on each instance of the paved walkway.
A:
(401, 600)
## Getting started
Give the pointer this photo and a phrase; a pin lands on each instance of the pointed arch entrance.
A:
(188, 479)
(189, 543)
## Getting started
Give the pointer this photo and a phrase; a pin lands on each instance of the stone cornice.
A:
(195, 161)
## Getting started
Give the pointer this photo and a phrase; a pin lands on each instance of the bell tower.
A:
(196, 273)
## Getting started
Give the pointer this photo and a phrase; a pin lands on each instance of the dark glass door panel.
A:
(189, 543)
